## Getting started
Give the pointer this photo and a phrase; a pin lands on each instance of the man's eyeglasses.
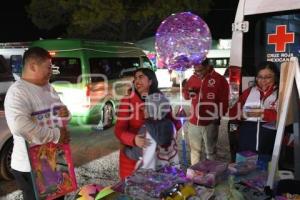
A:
(264, 77)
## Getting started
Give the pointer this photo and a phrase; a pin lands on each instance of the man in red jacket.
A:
(208, 91)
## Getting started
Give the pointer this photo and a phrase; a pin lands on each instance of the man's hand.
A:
(63, 112)
(64, 115)
(64, 136)
(192, 92)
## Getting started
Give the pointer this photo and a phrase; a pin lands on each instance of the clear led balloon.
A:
(183, 39)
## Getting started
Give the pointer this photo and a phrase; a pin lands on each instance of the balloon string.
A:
(181, 101)
(183, 143)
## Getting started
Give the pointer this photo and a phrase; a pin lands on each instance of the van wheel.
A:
(5, 159)
(108, 115)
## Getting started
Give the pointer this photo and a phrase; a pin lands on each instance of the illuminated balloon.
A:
(183, 39)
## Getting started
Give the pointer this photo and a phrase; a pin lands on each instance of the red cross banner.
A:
(281, 38)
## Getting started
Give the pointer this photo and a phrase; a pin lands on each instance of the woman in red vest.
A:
(130, 117)
(257, 111)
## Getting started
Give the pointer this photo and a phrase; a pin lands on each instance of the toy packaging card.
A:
(52, 170)
(52, 167)
(147, 184)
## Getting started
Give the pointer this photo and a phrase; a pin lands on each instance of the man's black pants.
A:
(24, 183)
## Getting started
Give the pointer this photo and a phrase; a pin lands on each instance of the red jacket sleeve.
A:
(235, 113)
(176, 122)
(270, 115)
(122, 130)
(185, 91)
(223, 96)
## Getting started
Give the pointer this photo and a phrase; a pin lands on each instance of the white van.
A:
(6, 146)
(11, 55)
(262, 30)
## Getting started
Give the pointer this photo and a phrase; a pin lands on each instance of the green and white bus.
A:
(91, 76)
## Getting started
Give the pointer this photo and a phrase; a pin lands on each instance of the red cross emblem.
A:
(281, 38)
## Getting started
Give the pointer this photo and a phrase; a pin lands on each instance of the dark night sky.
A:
(221, 17)
(17, 27)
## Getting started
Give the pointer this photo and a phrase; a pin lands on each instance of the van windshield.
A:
(113, 68)
(5, 70)
(66, 69)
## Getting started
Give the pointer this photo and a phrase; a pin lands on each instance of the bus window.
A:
(65, 69)
(16, 64)
(113, 68)
(3, 65)
(127, 66)
(147, 63)
(219, 62)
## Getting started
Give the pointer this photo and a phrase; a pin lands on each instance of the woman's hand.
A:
(255, 112)
(141, 141)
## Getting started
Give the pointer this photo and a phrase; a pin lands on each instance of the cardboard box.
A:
(248, 156)
(208, 172)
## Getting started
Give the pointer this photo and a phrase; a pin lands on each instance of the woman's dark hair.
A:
(151, 76)
(271, 66)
